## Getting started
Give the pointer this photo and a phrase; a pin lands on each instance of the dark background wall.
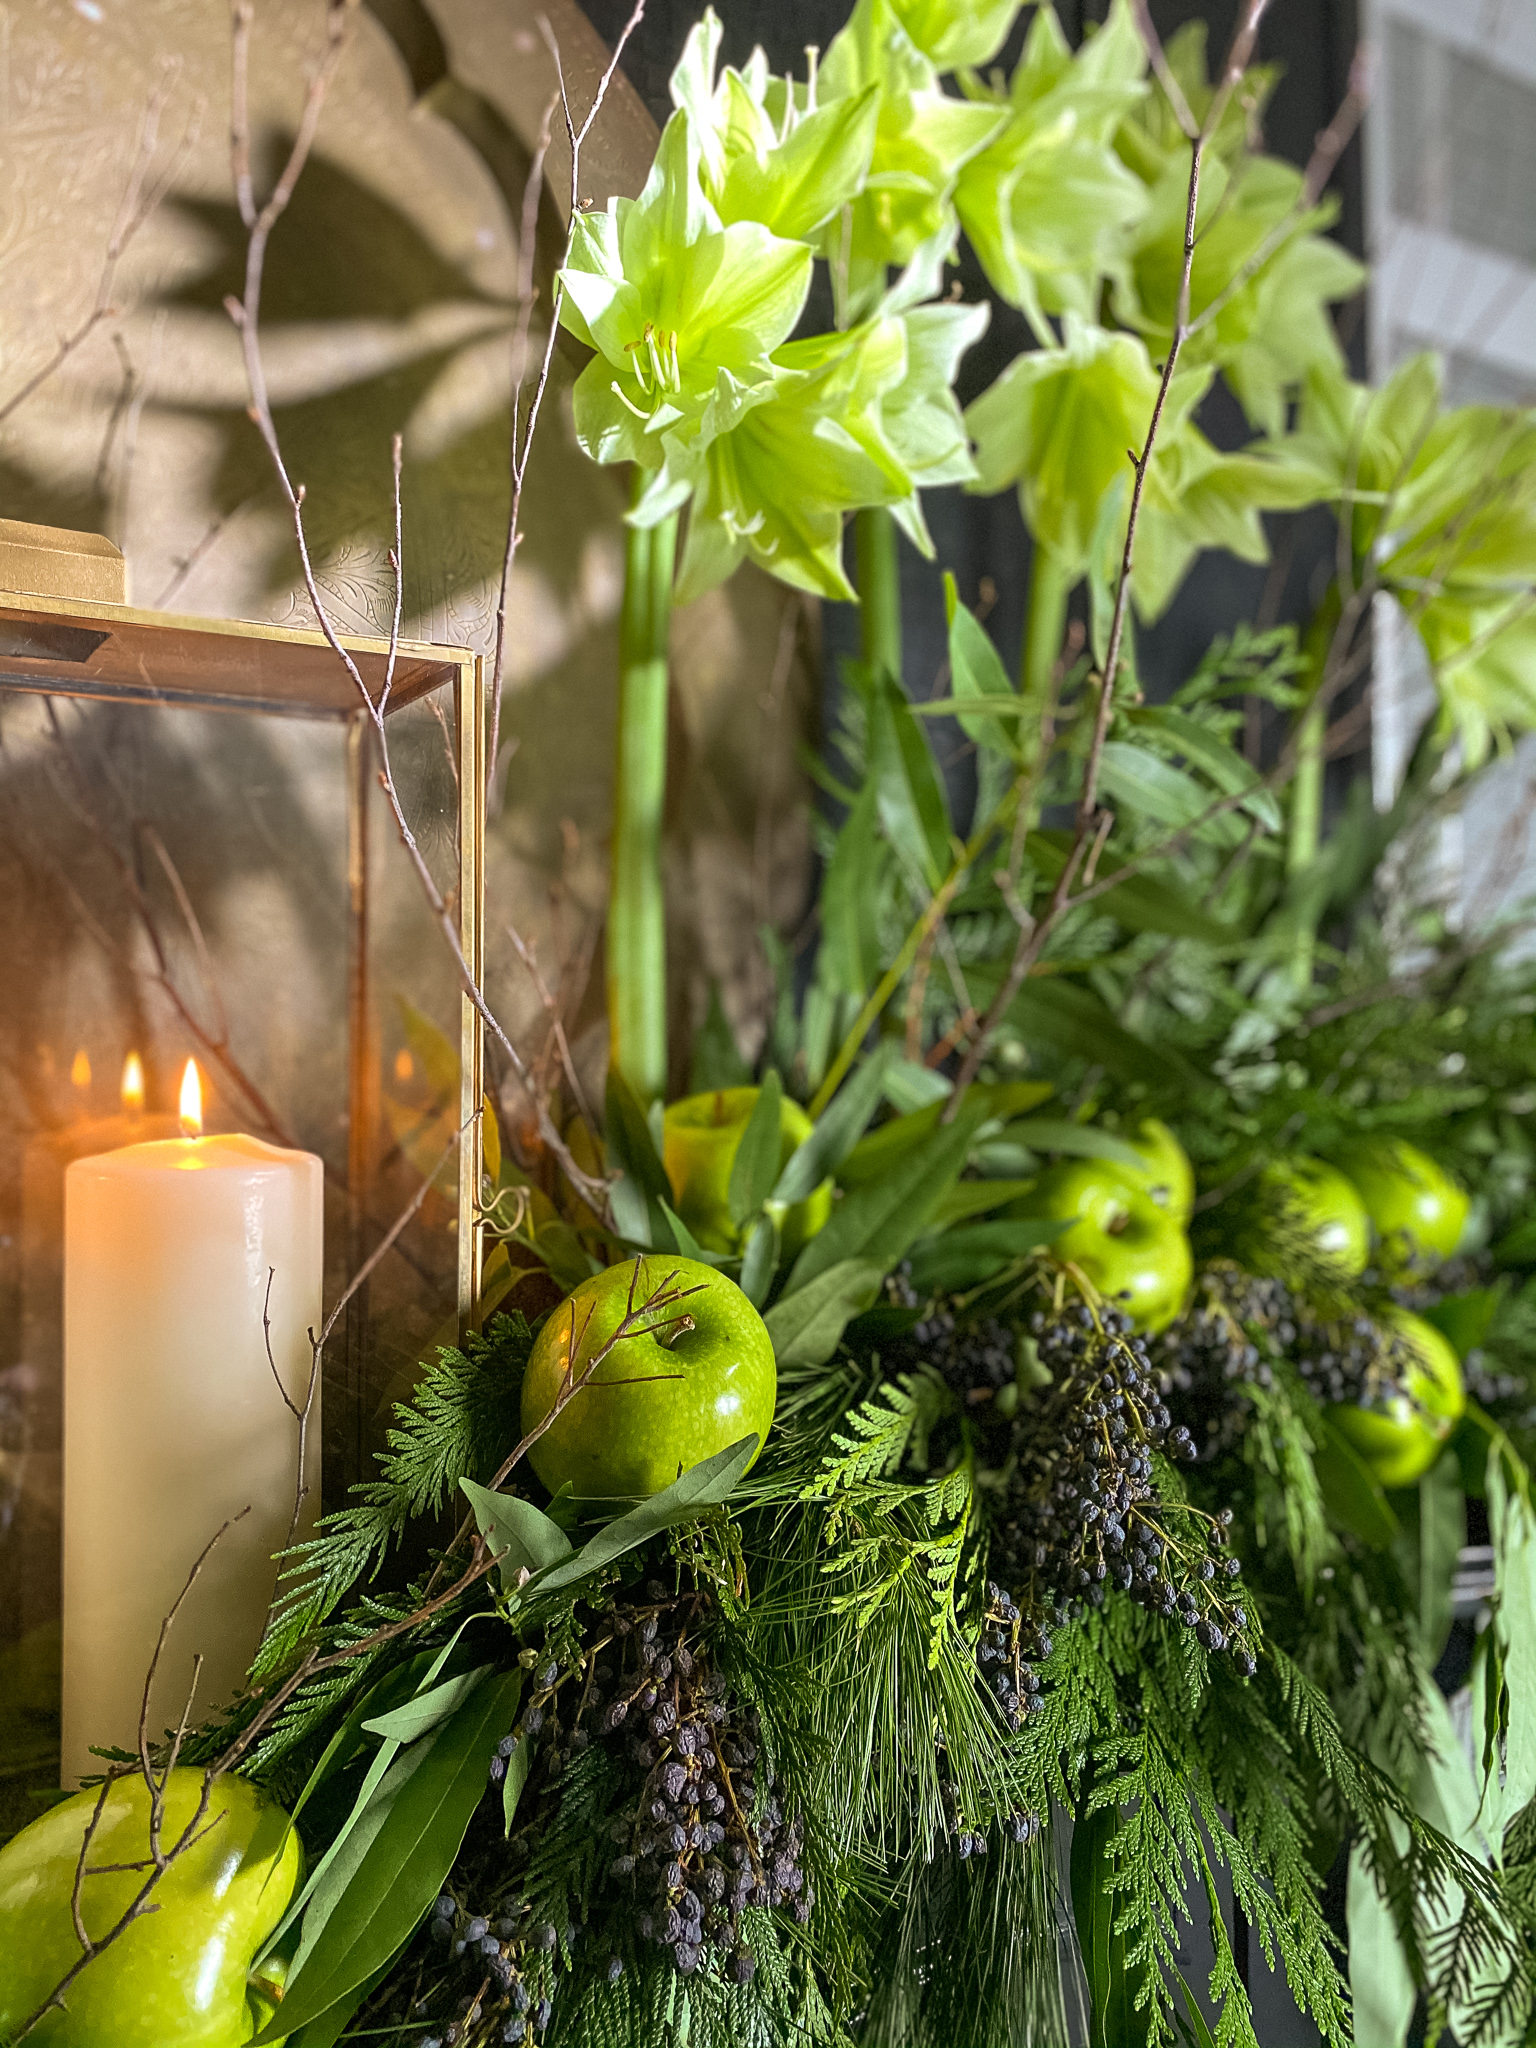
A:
(983, 540)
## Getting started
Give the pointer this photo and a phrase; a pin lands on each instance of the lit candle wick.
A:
(133, 1085)
(191, 1106)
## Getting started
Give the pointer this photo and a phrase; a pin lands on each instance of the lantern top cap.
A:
(67, 630)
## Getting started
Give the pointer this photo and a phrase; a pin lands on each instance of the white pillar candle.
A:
(172, 1420)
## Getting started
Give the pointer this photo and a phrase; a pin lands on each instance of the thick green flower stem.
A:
(637, 930)
(1050, 585)
(879, 577)
(1306, 820)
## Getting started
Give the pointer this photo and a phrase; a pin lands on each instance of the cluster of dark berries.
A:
(502, 1968)
(1220, 1347)
(975, 1356)
(1081, 1516)
(708, 1836)
(1022, 1826)
(1011, 1646)
(1489, 1387)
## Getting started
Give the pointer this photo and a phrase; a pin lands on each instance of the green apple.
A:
(1134, 1253)
(699, 1142)
(1316, 1205)
(1417, 1211)
(176, 1978)
(1402, 1438)
(1168, 1177)
(694, 1373)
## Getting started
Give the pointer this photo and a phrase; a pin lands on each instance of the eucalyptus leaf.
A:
(836, 1131)
(522, 1538)
(519, 1763)
(964, 1257)
(806, 1326)
(634, 1151)
(760, 1259)
(422, 1714)
(878, 1220)
(704, 1485)
(1351, 1492)
(755, 1166)
(685, 1244)
(1078, 1141)
(884, 1147)
(433, 1791)
(1433, 1519)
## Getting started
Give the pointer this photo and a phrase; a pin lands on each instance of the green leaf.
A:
(1053, 1011)
(969, 1198)
(685, 1244)
(519, 1763)
(880, 1219)
(1433, 1519)
(1078, 1141)
(976, 673)
(878, 1152)
(755, 1167)
(1112, 1981)
(1149, 787)
(716, 1060)
(521, 1537)
(703, 1486)
(1142, 903)
(424, 1713)
(326, 2031)
(963, 1258)
(425, 1804)
(836, 1131)
(807, 1325)
(1351, 1492)
(908, 792)
(1205, 749)
(634, 1152)
(849, 958)
(760, 1259)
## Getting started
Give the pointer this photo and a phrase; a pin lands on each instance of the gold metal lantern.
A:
(193, 867)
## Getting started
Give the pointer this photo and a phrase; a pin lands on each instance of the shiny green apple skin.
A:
(1168, 1177)
(176, 1978)
(1134, 1253)
(1400, 1441)
(652, 1409)
(1326, 1209)
(699, 1141)
(1417, 1211)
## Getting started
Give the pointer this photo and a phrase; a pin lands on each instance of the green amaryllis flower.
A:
(954, 32)
(905, 213)
(860, 419)
(1058, 423)
(1048, 205)
(768, 151)
(1445, 505)
(684, 313)
(1064, 424)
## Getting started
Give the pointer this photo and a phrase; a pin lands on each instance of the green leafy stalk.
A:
(879, 578)
(1306, 823)
(1050, 585)
(637, 933)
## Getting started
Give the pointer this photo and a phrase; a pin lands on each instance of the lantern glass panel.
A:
(196, 862)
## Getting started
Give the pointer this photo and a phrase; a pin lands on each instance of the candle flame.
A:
(80, 1069)
(191, 1102)
(405, 1066)
(133, 1085)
